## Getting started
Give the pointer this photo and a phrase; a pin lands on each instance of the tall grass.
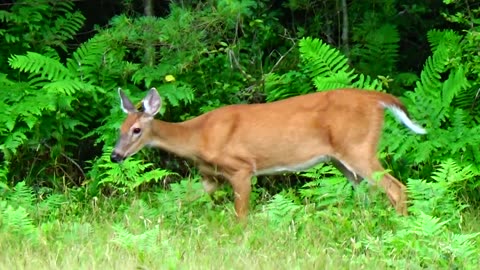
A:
(178, 229)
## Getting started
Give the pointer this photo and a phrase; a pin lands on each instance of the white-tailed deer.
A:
(236, 142)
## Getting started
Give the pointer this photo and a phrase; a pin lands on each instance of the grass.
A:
(154, 231)
(201, 243)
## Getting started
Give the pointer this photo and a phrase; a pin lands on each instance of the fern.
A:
(18, 211)
(50, 207)
(45, 67)
(147, 242)
(17, 221)
(182, 199)
(328, 187)
(42, 27)
(451, 132)
(22, 196)
(439, 198)
(176, 92)
(430, 240)
(34, 106)
(376, 50)
(149, 74)
(286, 85)
(326, 66)
(3, 178)
(329, 69)
(126, 176)
(282, 211)
(56, 95)
(438, 38)
(66, 27)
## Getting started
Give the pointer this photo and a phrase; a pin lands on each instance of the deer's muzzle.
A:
(115, 157)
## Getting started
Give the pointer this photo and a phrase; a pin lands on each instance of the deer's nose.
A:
(115, 157)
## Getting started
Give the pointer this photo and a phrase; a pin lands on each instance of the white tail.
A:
(235, 142)
(403, 117)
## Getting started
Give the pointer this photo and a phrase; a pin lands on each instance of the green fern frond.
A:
(70, 87)
(17, 221)
(89, 54)
(40, 65)
(335, 81)
(127, 176)
(468, 100)
(426, 225)
(286, 85)
(150, 176)
(22, 195)
(150, 74)
(455, 83)
(449, 172)
(462, 248)
(69, 25)
(65, 87)
(376, 51)
(320, 59)
(445, 48)
(185, 190)
(328, 189)
(282, 211)
(430, 83)
(146, 242)
(438, 37)
(439, 198)
(3, 177)
(176, 92)
(98, 62)
(329, 69)
(366, 82)
(12, 142)
(430, 239)
(49, 206)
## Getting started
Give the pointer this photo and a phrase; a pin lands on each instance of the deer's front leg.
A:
(210, 179)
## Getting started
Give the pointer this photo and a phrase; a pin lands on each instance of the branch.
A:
(69, 159)
(281, 58)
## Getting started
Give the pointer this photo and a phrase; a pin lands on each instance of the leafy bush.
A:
(431, 233)
(453, 133)
(42, 27)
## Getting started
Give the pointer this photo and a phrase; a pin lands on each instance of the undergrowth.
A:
(322, 225)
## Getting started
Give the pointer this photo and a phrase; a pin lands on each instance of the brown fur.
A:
(235, 142)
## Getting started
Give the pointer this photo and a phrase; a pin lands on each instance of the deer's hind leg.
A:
(364, 163)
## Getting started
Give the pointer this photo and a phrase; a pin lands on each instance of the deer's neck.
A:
(178, 138)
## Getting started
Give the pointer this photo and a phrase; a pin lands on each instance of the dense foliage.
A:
(60, 117)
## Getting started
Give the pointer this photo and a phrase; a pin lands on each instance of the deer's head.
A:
(135, 131)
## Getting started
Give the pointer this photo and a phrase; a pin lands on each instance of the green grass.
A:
(215, 241)
(150, 232)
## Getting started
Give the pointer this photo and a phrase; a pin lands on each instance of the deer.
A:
(237, 142)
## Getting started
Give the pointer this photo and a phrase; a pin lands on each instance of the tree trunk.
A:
(345, 42)
(149, 57)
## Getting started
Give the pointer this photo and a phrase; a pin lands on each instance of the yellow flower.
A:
(169, 78)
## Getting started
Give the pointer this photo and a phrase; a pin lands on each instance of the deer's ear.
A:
(152, 102)
(125, 103)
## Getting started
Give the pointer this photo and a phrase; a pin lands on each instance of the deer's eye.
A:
(136, 130)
